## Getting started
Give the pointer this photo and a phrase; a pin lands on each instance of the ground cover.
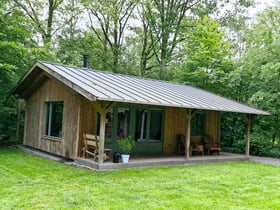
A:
(31, 182)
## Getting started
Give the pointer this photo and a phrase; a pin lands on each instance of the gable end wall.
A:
(52, 90)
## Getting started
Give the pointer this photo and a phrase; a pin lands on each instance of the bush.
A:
(262, 145)
(273, 152)
(126, 144)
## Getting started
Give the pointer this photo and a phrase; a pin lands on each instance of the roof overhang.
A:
(107, 86)
(39, 74)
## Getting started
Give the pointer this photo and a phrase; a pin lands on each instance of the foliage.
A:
(165, 20)
(112, 19)
(233, 132)
(139, 47)
(126, 144)
(262, 146)
(71, 50)
(7, 106)
(46, 18)
(208, 57)
(38, 183)
(17, 53)
(261, 69)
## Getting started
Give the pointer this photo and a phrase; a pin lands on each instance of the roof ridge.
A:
(113, 73)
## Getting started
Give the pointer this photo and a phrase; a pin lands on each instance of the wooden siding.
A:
(212, 127)
(88, 122)
(52, 90)
(176, 123)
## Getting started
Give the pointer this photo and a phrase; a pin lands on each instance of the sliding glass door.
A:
(144, 124)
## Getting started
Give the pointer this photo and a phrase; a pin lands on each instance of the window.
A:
(148, 124)
(53, 119)
(141, 124)
(155, 125)
(108, 125)
(123, 122)
(198, 124)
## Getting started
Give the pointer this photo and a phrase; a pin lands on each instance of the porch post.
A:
(18, 120)
(189, 115)
(103, 109)
(248, 118)
(102, 137)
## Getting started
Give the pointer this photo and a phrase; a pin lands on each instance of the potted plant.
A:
(126, 145)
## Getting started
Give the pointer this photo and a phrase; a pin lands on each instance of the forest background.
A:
(210, 44)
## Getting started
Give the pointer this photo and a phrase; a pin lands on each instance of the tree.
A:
(111, 17)
(144, 43)
(165, 20)
(234, 18)
(71, 50)
(47, 17)
(207, 56)
(17, 53)
(139, 48)
(260, 71)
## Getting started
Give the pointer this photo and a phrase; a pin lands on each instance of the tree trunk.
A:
(143, 59)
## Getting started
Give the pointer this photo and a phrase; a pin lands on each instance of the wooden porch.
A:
(152, 161)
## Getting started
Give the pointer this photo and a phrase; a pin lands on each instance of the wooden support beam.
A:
(110, 106)
(189, 113)
(103, 109)
(18, 119)
(97, 106)
(248, 120)
(102, 137)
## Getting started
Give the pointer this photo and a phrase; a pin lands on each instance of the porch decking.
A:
(148, 161)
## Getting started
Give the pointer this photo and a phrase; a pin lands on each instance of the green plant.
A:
(126, 144)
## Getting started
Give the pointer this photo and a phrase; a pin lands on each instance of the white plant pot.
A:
(125, 158)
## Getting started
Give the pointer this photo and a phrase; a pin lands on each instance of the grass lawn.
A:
(31, 182)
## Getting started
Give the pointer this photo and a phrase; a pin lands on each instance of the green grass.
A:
(31, 182)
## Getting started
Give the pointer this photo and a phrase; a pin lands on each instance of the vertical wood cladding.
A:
(213, 120)
(176, 123)
(88, 122)
(52, 90)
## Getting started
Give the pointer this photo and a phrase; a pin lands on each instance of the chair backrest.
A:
(208, 139)
(91, 140)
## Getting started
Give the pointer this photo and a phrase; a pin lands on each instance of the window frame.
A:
(132, 130)
(48, 120)
(195, 131)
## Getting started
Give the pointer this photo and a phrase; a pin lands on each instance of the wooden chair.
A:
(92, 147)
(196, 148)
(180, 139)
(210, 145)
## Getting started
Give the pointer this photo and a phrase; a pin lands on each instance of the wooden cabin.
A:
(64, 102)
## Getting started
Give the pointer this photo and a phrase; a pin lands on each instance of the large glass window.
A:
(148, 124)
(123, 124)
(155, 125)
(198, 124)
(53, 118)
(141, 124)
(108, 126)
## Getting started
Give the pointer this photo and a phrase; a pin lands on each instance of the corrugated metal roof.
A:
(99, 85)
